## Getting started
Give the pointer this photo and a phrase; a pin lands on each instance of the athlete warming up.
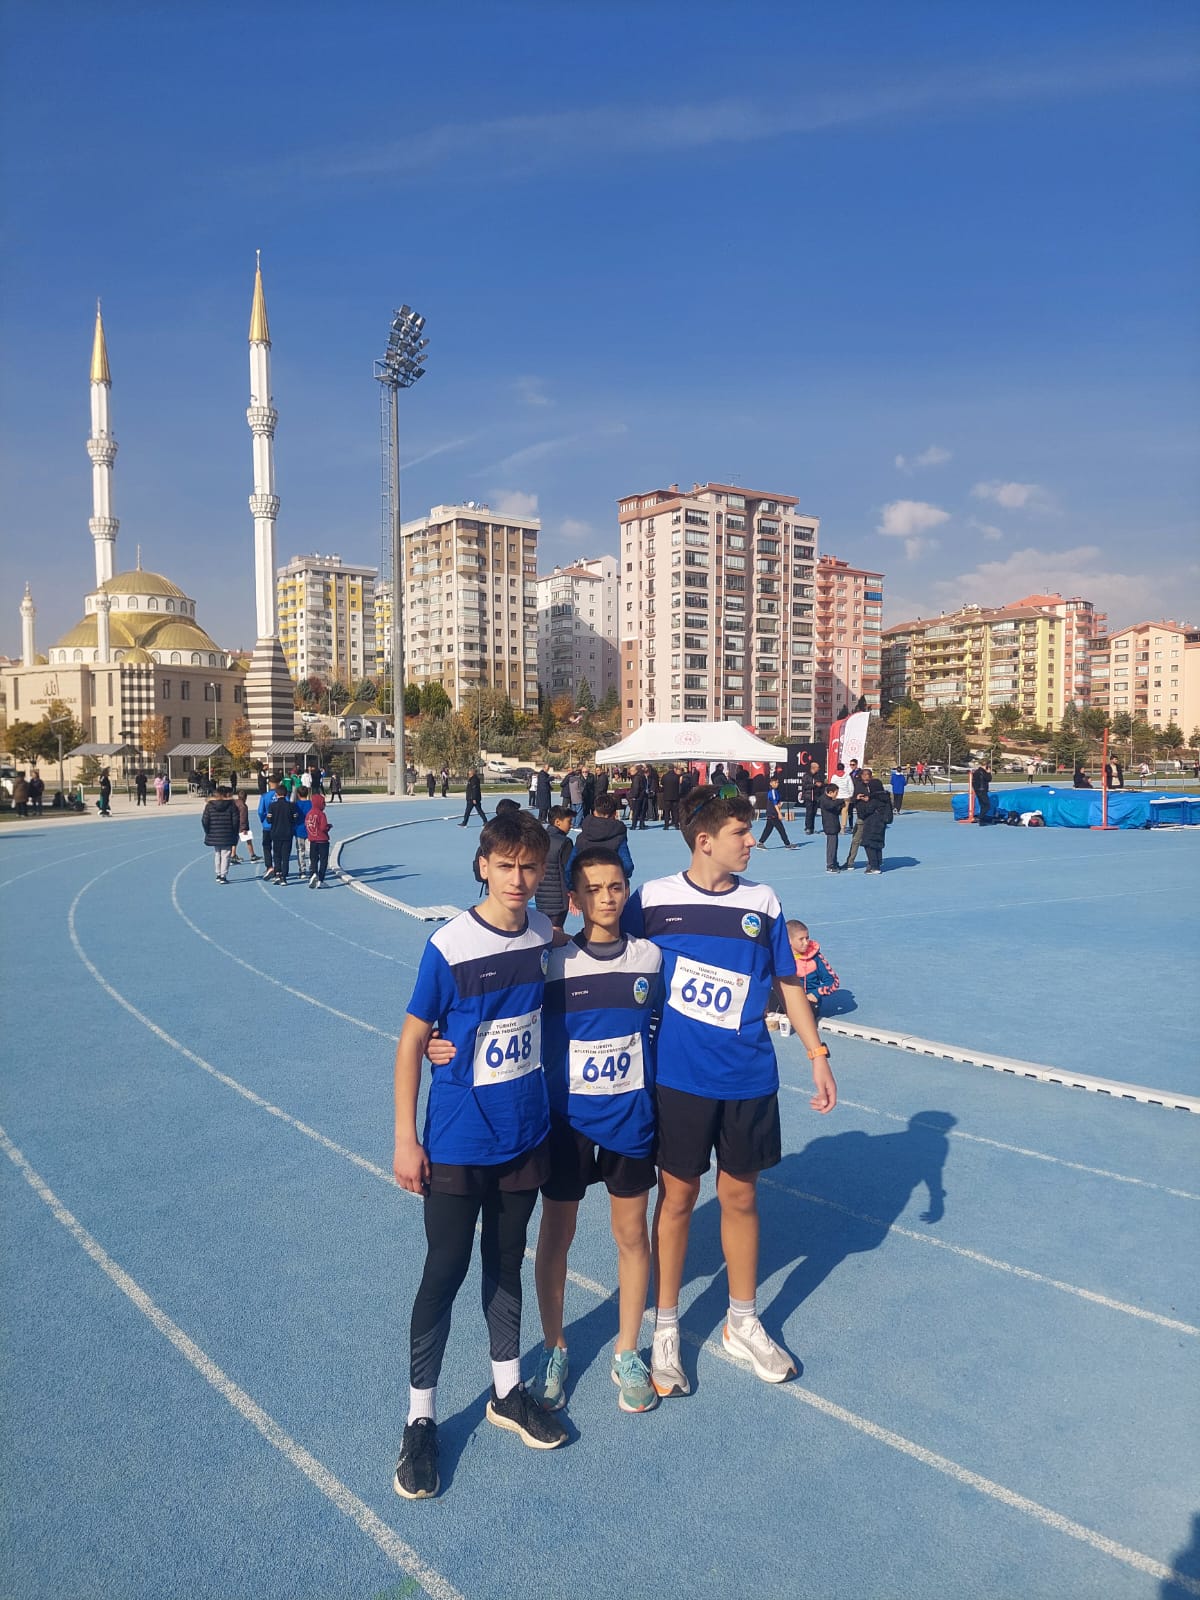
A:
(723, 941)
(485, 1149)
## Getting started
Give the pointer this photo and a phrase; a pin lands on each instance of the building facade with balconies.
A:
(980, 658)
(1151, 672)
(470, 603)
(577, 628)
(717, 607)
(848, 640)
(327, 619)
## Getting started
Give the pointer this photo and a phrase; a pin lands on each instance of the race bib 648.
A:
(508, 1048)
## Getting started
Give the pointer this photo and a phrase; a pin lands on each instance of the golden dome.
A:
(140, 632)
(139, 582)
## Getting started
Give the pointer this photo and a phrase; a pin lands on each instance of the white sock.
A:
(741, 1312)
(506, 1375)
(666, 1318)
(422, 1403)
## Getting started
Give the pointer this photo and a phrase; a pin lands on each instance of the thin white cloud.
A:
(1013, 496)
(917, 547)
(988, 529)
(515, 147)
(438, 450)
(1081, 571)
(548, 447)
(575, 529)
(935, 456)
(905, 519)
(532, 391)
(513, 503)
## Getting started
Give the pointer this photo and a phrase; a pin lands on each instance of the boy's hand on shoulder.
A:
(410, 1166)
(439, 1051)
(824, 1088)
(560, 938)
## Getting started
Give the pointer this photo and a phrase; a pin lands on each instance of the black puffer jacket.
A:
(551, 897)
(220, 823)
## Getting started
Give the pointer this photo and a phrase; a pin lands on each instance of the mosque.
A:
(138, 651)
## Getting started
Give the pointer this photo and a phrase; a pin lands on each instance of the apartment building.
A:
(980, 658)
(327, 619)
(1082, 626)
(848, 639)
(577, 628)
(470, 603)
(1151, 671)
(718, 599)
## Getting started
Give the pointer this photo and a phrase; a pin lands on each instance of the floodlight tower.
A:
(402, 363)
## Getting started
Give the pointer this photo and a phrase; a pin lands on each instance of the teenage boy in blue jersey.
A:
(485, 1148)
(724, 941)
(602, 990)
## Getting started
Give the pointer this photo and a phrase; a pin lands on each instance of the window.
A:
(185, 689)
(185, 725)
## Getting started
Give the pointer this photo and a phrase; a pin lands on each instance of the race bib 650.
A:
(708, 994)
(508, 1048)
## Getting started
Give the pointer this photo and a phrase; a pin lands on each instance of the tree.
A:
(60, 719)
(383, 699)
(611, 701)
(940, 729)
(1005, 718)
(435, 702)
(1194, 739)
(152, 736)
(412, 700)
(339, 696)
(310, 694)
(585, 700)
(549, 724)
(240, 742)
(25, 741)
(1170, 738)
(445, 741)
(367, 689)
(861, 704)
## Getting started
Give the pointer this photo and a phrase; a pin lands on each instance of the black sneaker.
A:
(417, 1469)
(519, 1414)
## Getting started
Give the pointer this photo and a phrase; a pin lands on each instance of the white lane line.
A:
(57, 862)
(885, 1436)
(1011, 1149)
(964, 1475)
(298, 994)
(319, 927)
(985, 1261)
(319, 1475)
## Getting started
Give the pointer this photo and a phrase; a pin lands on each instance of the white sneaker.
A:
(751, 1342)
(312, 882)
(666, 1369)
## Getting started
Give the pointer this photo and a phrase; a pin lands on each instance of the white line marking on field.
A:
(985, 1261)
(299, 994)
(971, 1480)
(318, 927)
(334, 1490)
(1011, 1149)
(57, 862)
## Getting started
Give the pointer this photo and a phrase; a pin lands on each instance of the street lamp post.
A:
(402, 364)
(213, 688)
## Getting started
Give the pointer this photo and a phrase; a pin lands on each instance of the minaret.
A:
(103, 637)
(269, 699)
(102, 448)
(28, 612)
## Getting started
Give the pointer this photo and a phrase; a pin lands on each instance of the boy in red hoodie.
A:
(316, 826)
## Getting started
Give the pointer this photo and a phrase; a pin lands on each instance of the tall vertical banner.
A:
(848, 740)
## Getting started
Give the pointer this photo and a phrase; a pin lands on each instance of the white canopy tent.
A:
(690, 741)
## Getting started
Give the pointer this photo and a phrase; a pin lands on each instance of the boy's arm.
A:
(410, 1164)
(800, 1015)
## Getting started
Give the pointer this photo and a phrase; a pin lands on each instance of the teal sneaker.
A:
(632, 1377)
(549, 1385)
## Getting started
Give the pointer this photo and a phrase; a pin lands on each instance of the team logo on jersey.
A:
(545, 962)
(752, 925)
(641, 990)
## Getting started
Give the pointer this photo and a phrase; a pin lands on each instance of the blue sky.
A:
(930, 268)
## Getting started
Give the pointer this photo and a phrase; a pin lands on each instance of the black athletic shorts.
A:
(744, 1133)
(527, 1171)
(577, 1162)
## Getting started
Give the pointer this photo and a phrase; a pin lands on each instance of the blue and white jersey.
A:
(721, 951)
(599, 1059)
(483, 990)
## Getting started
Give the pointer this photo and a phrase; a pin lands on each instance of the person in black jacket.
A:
(874, 793)
(552, 897)
(601, 785)
(474, 797)
(652, 787)
(669, 792)
(542, 795)
(812, 787)
(831, 824)
(639, 800)
(874, 814)
(281, 825)
(219, 820)
(981, 782)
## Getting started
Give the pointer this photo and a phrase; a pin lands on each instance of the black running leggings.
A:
(450, 1234)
